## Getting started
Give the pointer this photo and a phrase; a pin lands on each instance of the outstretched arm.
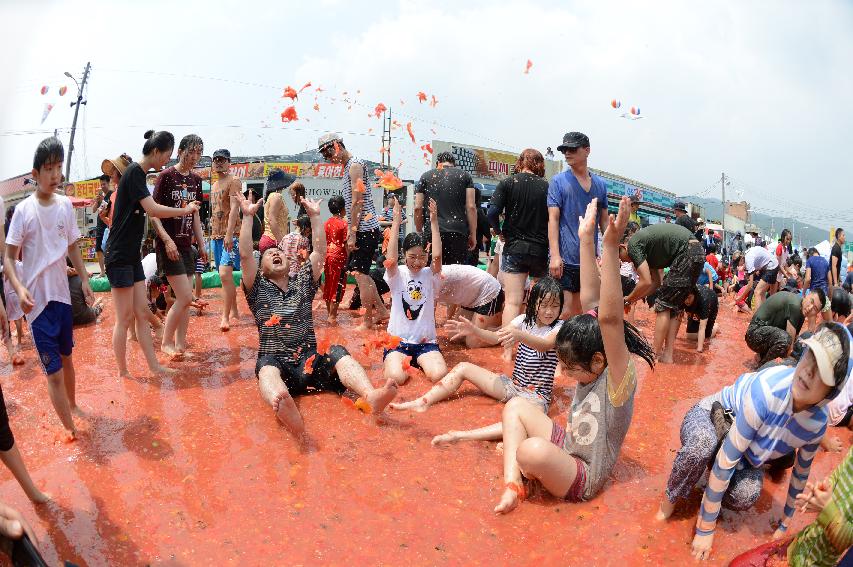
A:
(611, 314)
(318, 237)
(590, 278)
(247, 256)
(392, 252)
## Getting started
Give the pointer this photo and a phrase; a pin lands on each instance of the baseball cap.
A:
(573, 140)
(827, 350)
(679, 206)
(328, 139)
(222, 153)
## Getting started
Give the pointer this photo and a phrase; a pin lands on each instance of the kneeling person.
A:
(288, 362)
(702, 306)
(778, 321)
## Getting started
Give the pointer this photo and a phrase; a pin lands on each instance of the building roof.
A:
(13, 184)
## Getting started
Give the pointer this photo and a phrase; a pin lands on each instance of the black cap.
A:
(679, 206)
(222, 153)
(573, 140)
(277, 179)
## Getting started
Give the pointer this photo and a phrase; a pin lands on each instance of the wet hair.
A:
(531, 160)
(445, 157)
(413, 240)
(336, 204)
(630, 229)
(840, 302)
(838, 232)
(795, 260)
(303, 222)
(544, 288)
(712, 248)
(580, 338)
(812, 251)
(190, 141)
(298, 188)
(162, 141)
(104, 177)
(49, 150)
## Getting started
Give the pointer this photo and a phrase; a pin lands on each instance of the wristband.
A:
(705, 532)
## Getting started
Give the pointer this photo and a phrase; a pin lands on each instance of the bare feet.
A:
(288, 414)
(172, 352)
(365, 326)
(163, 371)
(76, 410)
(419, 405)
(224, 325)
(665, 358)
(17, 359)
(124, 374)
(449, 437)
(332, 320)
(509, 502)
(381, 397)
(665, 510)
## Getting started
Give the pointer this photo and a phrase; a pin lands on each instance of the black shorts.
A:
(489, 309)
(99, 237)
(682, 276)
(323, 376)
(771, 276)
(183, 266)
(693, 324)
(125, 275)
(366, 244)
(533, 266)
(628, 285)
(454, 248)
(571, 279)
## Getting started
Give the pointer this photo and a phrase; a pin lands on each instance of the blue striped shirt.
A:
(765, 428)
(534, 370)
(367, 221)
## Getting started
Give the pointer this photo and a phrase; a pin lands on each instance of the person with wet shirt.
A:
(779, 414)
(569, 193)
(224, 217)
(652, 249)
(776, 324)
(453, 191)
(289, 362)
(702, 306)
(176, 186)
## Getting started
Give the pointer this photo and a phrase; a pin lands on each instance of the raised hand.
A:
(312, 207)
(397, 209)
(616, 226)
(587, 223)
(459, 328)
(246, 206)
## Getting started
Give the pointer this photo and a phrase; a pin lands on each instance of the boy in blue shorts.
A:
(44, 227)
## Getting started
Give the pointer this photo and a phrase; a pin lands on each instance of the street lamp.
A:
(78, 102)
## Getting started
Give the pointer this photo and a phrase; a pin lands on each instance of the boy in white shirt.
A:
(45, 227)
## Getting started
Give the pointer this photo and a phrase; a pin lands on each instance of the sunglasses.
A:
(571, 150)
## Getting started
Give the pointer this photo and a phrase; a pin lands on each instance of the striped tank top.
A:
(368, 220)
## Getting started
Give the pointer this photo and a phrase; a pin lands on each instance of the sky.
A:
(757, 90)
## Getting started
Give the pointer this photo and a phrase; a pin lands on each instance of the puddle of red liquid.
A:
(194, 469)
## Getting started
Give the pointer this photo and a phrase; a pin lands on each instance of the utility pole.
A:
(723, 223)
(386, 139)
(76, 106)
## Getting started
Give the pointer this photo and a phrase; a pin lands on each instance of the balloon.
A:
(44, 90)
(635, 110)
(615, 103)
(47, 109)
(528, 66)
(62, 90)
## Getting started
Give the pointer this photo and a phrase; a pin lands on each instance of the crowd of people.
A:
(561, 291)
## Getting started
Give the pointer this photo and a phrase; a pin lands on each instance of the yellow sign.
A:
(87, 189)
(87, 247)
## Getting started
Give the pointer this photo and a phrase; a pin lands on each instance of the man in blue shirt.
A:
(569, 193)
(817, 269)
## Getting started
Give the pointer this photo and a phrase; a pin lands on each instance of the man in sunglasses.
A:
(569, 193)
(223, 222)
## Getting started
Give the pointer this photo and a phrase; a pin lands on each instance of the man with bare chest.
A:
(223, 220)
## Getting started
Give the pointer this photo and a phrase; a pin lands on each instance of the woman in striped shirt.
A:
(778, 413)
(533, 375)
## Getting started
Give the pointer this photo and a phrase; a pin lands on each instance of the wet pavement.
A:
(195, 470)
